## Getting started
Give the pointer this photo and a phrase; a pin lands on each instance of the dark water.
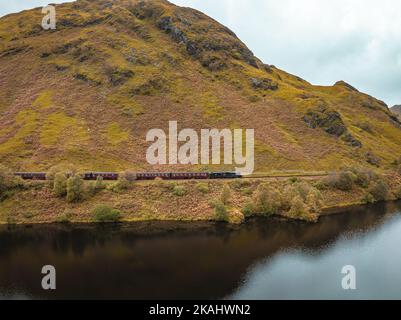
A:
(265, 259)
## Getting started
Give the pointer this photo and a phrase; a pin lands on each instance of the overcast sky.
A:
(322, 41)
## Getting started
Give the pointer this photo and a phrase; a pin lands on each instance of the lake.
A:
(263, 259)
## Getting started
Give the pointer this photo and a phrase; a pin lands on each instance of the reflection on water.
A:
(263, 259)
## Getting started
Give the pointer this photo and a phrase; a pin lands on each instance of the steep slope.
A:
(87, 93)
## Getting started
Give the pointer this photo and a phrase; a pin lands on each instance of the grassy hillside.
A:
(88, 92)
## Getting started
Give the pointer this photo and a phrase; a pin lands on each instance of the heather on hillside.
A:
(112, 70)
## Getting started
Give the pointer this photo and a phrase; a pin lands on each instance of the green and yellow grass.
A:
(88, 92)
(159, 200)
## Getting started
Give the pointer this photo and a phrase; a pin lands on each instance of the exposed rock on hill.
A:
(396, 110)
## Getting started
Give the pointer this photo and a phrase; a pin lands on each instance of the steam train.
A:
(141, 176)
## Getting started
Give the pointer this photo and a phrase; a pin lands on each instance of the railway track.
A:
(178, 176)
(272, 176)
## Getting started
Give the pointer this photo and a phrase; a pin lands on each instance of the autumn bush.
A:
(345, 180)
(66, 169)
(314, 200)
(60, 184)
(128, 175)
(8, 182)
(226, 194)
(202, 187)
(220, 211)
(121, 184)
(363, 176)
(379, 190)
(298, 208)
(248, 210)
(103, 213)
(179, 191)
(75, 190)
(267, 200)
(95, 186)
(368, 198)
(398, 193)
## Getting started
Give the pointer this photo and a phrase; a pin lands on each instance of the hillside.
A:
(87, 93)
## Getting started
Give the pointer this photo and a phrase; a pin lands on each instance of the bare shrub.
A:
(226, 194)
(220, 212)
(60, 184)
(380, 190)
(298, 208)
(74, 189)
(267, 200)
(130, 176)
(344, 180)
(66, 169)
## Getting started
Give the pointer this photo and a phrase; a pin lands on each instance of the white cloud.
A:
(323, 41)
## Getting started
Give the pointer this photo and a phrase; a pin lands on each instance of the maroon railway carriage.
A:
(141, 176)
(31, 175)
(153, 176)
(189, 175)
(104, 175)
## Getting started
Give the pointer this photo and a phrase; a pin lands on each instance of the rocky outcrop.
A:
(396, 110)
(352, 141)
(327, 119)
(372, 159)
(330, 121)
(212, 44)
(264, 84)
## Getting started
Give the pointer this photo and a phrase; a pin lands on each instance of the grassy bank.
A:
(63, 200)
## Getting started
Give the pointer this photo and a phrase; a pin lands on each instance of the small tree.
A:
(345, 180)
(6, 179)
(60, 184)
(314, 200)
(121, 184)
(179, 191)
(220, 212)
(74, 189)
(226, 194)
(398, 193)
(99, 185)
(248, 210)
(66, 169)
(129, 175)
(103, 213)
(368, 198)
(363, 176)
(202, 187)
(303, 189)
(267, 200)
(298, 208)
(91, 188)
(379, 190)
(289, 193)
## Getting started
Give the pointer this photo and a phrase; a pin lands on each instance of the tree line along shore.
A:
(66, 198)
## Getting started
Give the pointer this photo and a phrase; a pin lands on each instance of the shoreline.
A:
(327, 211)
(229, 201)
